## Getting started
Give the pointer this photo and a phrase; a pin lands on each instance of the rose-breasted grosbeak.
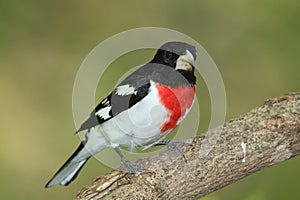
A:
(140, 111)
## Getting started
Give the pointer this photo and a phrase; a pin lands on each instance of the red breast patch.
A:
(176, 100)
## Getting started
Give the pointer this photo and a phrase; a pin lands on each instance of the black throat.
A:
(169, 59)
(189, 75)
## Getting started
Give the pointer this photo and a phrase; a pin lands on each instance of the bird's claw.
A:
(131, 168)
(176, 146)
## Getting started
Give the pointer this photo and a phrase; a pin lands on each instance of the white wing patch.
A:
(105, 102)
(125, 90)
(104, 112)
(138, 125)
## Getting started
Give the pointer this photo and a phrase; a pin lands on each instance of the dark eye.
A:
(168, 56)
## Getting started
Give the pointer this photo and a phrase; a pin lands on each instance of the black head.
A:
(180, 56)
(169, 53)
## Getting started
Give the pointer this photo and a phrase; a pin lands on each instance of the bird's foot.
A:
(131, 168)
(128, 166)
(175, 146)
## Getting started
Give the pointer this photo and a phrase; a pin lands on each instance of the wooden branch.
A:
(263, 137)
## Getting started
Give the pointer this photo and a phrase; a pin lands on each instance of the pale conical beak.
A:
(185, 62)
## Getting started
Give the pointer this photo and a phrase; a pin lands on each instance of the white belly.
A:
(139, 125)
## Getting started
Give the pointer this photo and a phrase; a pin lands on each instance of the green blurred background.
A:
(255, 44)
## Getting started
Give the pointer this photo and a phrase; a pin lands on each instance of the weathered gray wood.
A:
(263, 137)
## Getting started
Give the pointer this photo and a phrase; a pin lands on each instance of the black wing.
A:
(120, 99)
(131, 90)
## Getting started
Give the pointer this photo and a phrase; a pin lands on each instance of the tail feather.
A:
(93, 143)
(71, 168)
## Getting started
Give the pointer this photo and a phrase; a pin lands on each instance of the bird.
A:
(140, 111)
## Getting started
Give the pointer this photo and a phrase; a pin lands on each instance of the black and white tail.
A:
(93, 143)
(70, 169)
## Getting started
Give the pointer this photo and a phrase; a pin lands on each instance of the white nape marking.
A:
(104, 112)
(185, 61)
(254, 139)
(244, 147)
(125, 90)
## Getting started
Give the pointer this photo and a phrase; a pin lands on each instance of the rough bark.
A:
(263, 137)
